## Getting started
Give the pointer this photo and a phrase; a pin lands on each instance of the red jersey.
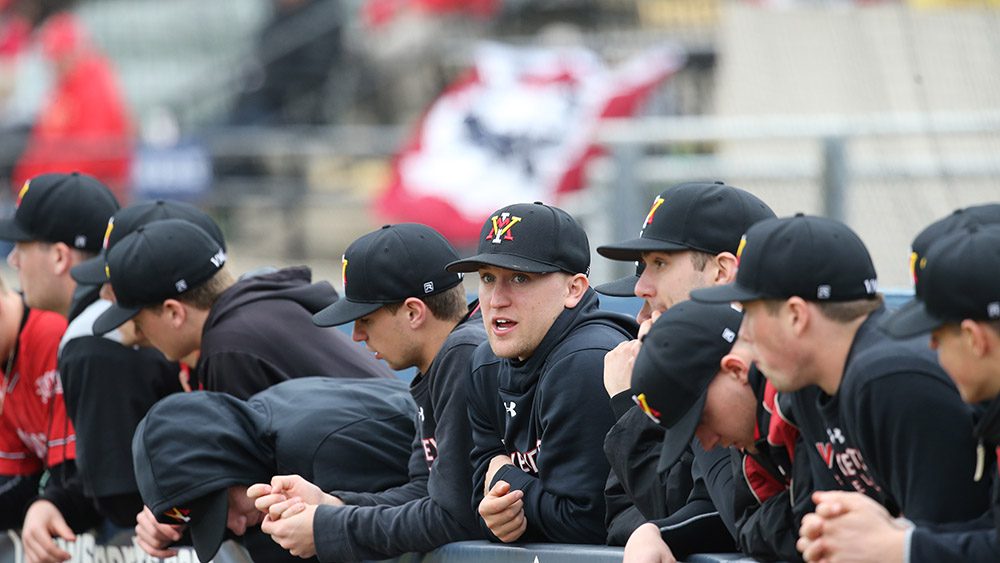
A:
(34, 428)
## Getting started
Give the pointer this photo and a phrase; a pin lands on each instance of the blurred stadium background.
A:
(885, 114)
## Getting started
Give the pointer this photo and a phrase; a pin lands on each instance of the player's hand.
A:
(644, 312)
(646, 325)
(43, 521)
(645, 545)
(495, 464)
(155, 538)
(503, 512)
(284, 487)
(618, 364)
(850, 527)
(293, 530)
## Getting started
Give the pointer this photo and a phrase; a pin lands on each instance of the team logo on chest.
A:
(501, 227)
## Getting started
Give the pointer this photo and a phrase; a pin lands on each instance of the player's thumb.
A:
(61, 529)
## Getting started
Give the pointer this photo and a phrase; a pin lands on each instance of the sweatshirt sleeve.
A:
(569, 507)
(443, 514)
(632, 448)
(414, 488)
(486, 440)
(65, 491)
(927, 546)
(895, 433)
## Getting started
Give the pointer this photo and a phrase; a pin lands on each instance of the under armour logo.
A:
(509, 407)
(823, 292)
(181, 286)
(420, 413)
(836, 436)
(429, 287)
(80, 241)
(993, 310)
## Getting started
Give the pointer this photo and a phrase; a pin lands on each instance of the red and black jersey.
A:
(35, 430)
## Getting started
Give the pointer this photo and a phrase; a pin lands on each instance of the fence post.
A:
(834, 178)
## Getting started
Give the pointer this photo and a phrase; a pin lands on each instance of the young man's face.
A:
(153, 324)
(668, 279)
(519, 308)
(956, 358)
(34, 263)
(729, 416)
(388, 336)
(242, 513)
(774, 346)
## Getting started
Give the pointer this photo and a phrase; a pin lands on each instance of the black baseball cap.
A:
(678, 359)
(127, 220)
(706, 216)
(622, 287)
(68, 208)
(815, 258)
(959, 275)
(987, 214)
(532, 238)
(388, 266)
(158, 261)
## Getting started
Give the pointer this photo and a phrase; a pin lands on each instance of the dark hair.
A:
(837, 311)
(700, 259)
(204, 295)
(448, 305)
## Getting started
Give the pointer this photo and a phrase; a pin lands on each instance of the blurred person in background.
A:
(295, 54)
(84, 124)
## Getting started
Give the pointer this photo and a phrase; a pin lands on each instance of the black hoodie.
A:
(433, 508)
(550, 413)
(260, 332)
(976, 540)
(334, 432)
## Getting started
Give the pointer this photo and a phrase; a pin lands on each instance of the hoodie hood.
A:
(290, 284)
(193, 444)
(586, 312)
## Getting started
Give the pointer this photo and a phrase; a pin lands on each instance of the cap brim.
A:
(622, 287)
(114, 317)
(344, 311)
(10, 230)
(679, 436)
(90, 272)
(724, 294)
(631, 250)
(208, 527)
(910, 320)
(506, 261)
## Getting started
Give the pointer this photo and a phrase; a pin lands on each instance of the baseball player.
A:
(860, 399)
(197, 453)
(688, 240)
(411, 312)
(109, 383)
(170, 277)
(59, 222)
(536, 399)
(957, 304)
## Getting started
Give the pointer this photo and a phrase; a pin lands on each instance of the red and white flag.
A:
(517, 127)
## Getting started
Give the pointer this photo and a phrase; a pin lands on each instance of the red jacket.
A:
(34, 428)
